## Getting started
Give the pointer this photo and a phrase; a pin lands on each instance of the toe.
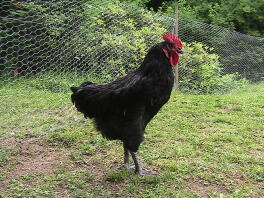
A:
(147, 172)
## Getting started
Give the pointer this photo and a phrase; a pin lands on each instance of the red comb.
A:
(173, 39)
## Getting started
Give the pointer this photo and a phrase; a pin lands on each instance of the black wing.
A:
(94, 99)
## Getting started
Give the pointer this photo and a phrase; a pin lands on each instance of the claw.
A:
(127, 166)
(146, 172)
(142, 172)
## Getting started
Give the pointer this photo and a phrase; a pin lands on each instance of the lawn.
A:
(201, 146)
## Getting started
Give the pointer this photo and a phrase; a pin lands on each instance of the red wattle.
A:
(173, 56)
(174, 59)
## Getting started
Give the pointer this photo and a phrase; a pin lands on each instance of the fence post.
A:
(176, 32)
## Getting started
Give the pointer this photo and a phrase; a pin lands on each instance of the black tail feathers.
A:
(74, 89)
(84, 84)
(75, 94)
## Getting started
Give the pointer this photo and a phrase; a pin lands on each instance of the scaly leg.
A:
(138, 169)
(126, 157)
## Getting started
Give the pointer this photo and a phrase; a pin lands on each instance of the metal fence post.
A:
(176, 32)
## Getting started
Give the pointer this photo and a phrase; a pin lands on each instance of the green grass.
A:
(201, 145)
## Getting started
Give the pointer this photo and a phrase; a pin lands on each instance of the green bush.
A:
(114, 39)
(201, 72)
(88, 40)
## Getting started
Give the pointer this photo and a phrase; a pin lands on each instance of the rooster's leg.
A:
(138, 168)
(137, 162)
(126, 157)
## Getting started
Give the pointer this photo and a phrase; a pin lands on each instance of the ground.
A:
(201, 146)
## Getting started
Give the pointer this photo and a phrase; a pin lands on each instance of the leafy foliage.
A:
(241, 15)
(21, 40)
(201, 71)
(95, 41)
(238, 52)
(116, 39)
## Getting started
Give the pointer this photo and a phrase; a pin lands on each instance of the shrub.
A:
(200, 71)
(88, 40)
(114, 39)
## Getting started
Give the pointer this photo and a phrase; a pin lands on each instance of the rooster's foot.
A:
(144, 171)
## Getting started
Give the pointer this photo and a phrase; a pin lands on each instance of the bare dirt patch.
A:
(228, 109)
(208, 129)
(261, 185)
(3, 187)
(33, 155)
(63, 192)
(8, 143)
(257, 154)
(99, 165)
(204, 189)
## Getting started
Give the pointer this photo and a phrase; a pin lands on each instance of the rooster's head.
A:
(173, 48)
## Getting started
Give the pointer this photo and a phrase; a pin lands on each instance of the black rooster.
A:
(123, 108)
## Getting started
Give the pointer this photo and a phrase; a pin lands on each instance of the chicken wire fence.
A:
(53, 44)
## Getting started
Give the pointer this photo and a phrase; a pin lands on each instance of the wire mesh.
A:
(52, 44)
(238, 52)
